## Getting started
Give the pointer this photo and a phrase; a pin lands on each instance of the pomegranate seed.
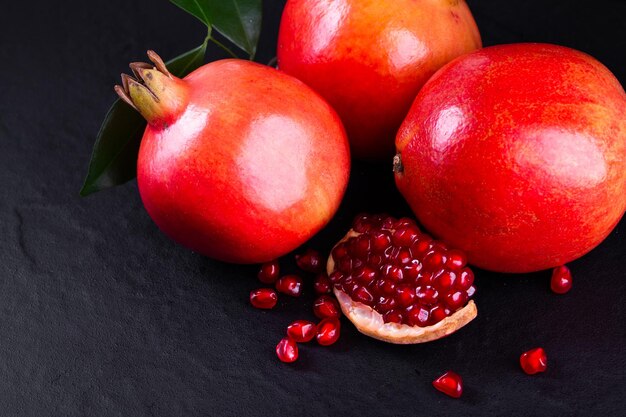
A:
(534, 361)
(322, 284)
(456, 300)
(400, 272)
(405, 295)
(561, 281)
(264, 298)
(289, 285)
(450, 384)
(392, 317)
(456, 259)
(326, 307)
(269, 272)
(310, 261)
(328, 331)
(302, 331)
(287, 350)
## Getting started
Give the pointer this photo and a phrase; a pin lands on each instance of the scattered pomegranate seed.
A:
(450, 384)
(289, 285)
(310, 261)
(328, 331)
(561, 281)
(269, 272)
(265, 298)
(401, 272)
(287, 350)
(322, 284)
(534, 361)
(326, 306)
(302, 331)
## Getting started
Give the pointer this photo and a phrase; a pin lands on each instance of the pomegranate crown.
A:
(153, 91)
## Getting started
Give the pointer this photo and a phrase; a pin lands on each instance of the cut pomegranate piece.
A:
(289, 285)
(397, 284)
(326, 306)
(310, 261)
(561, 281)
(322, 284)
(302, 331)
(287, 350)
(264, 298)
(450, 384)
(534, 361)
(328, 331)
(269, 272)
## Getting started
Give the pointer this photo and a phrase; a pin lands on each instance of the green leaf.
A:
(114, 157)
(198, 8)
(238, 20)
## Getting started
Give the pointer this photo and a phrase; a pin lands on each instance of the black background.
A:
(102, 315)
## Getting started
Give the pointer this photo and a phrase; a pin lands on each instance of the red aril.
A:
(561, 281)
(418, 291)
(450, 384)
(302, 331)
(328, 331)
(516, 154)
(230, 162)
(326, 306)
(310, 261)
(264, 298)
(290, 285)
(322, 284)
(287, 350)
(534, 361)
(269, 272)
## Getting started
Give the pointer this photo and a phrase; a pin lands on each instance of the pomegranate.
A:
(369, 58)
(328, 331)
(397, 284)
(287, 350)
(289, 285)
(310, 261)
(302, 331)
(450, 384)
(534, 361)
(516, 154)
(264, 298)
(269, 272)
(239, 161)
(561, 281)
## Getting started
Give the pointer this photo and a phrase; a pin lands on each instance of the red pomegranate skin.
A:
(516, 154)
(254, 166)
(369, 58)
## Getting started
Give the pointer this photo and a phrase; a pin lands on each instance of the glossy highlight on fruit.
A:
(450, 384)
(328, 331)
(310, 261)
(397, 284)
(290, 285)
(369, 58)
(534, 361)
(269, 272)
(230, 162)
(326, 306)
(516, 154)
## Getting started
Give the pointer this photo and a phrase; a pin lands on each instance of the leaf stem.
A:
(222, 46)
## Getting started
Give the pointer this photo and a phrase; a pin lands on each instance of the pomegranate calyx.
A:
(398, 168)
(154, 92)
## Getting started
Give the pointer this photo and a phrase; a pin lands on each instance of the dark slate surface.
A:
(101, 315)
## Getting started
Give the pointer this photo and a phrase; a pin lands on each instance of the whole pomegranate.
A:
(516, 154)
(239, 161)
(369, 58)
